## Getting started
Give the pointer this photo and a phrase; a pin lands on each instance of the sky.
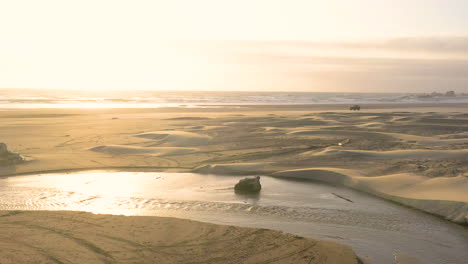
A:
(264, 45)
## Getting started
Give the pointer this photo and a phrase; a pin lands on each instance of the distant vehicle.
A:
(355, 108)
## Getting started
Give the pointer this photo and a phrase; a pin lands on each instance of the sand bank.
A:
(78, 237)
(445, 197)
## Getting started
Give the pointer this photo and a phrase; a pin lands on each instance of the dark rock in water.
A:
(7, 157)
(3, 149)
(248, 185)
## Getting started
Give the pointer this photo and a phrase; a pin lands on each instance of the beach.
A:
(212, 132)
(412, 154)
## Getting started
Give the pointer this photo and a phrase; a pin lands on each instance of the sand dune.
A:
(328, 175)
(77, 237)
(455, 136)
(132, 150)
(396, 154)
(176, 138)
(371, 125)
(327, 132)
(204, 127)
(444, 196)
(233, 168)
(274, 129)
(188, 118)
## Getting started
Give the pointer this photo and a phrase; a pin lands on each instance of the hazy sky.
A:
(323, 45)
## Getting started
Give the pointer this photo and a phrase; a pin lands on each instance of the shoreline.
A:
(342, 107)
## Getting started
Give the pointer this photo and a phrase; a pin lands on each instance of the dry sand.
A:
(78, 237)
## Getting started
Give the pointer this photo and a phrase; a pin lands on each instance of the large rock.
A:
(248, 185)
(7, 157)
(3, 149)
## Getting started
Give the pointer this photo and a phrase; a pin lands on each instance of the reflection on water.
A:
(376, 229)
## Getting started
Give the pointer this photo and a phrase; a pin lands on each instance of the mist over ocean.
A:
(32, 98)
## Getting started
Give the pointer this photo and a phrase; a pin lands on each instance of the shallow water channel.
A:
(379, 231)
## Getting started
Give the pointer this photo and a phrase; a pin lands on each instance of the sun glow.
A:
(156, 45)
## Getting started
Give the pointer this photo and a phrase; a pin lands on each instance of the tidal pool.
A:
(379, 231)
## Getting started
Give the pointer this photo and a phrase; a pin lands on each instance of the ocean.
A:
(45, 98)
